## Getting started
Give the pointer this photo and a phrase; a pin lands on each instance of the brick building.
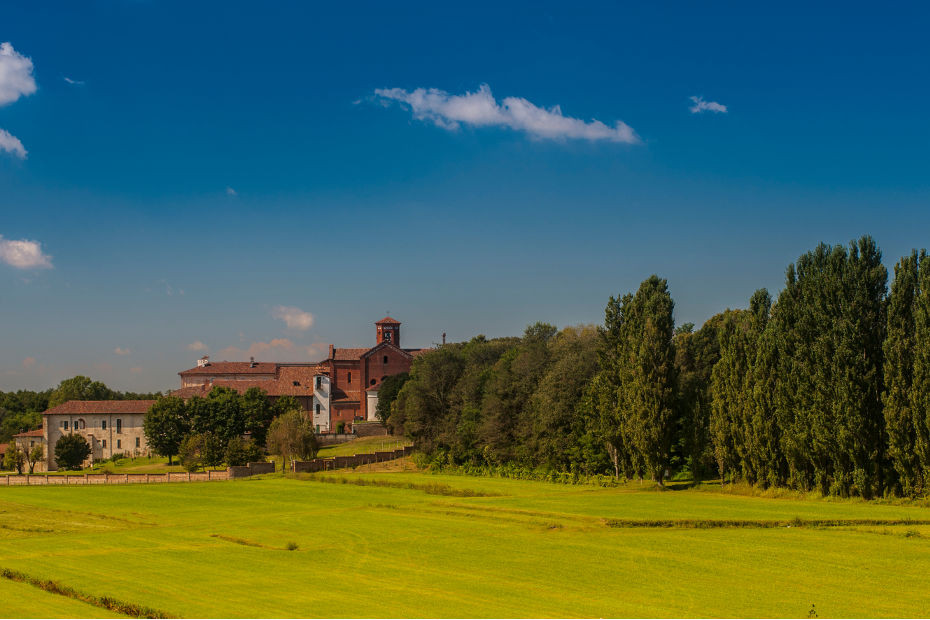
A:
(342, 388)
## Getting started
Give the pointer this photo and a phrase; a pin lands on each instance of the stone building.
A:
(109, 426)
(341, 388)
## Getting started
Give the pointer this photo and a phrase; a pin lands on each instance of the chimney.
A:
(251, 362)
(203, 361)
(443, 338)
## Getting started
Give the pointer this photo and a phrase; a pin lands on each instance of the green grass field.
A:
(364, 445)
(456, 546)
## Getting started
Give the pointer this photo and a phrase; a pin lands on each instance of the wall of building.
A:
(322, 396)
(107, 434)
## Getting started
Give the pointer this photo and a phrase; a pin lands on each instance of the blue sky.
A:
(238, 178)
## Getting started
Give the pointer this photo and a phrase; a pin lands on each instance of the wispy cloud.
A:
(24, 254)
(121, 351)
(706, 106)
(74, 82)
(29, 362)
(231, 192)
(295, 318)
(481, 109)
(11, 144)
(16, 78)
(197, 346)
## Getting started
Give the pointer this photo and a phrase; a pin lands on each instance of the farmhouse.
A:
(343, 388)
(109, 426)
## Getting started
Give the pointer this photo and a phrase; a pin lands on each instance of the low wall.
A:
(369, 429)
(343, 462)
(331, 439)
(43, 480)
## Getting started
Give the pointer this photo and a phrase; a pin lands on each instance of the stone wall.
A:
(42, 480)
(343, 462)
(369, 429)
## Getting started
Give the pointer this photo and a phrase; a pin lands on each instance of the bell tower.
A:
(388, 331)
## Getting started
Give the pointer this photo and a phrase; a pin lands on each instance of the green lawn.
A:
(365, 445)
(503, 548)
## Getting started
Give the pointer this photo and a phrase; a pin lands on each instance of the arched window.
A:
(373, 381)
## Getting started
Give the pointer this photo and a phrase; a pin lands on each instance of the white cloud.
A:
(481, 109)
(706, 106)
(24, 254)
(197, 346)
(295, 318)
(121, 351)
(74, 82)
(15, 75)
(231, 192)
(11, 144)
(29, 362)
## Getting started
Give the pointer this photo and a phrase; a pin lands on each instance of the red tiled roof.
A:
(35, 433)
(416, 352)
(101, 406)
(282, 385)
(233, 368)
(348, 354)
(388, 321)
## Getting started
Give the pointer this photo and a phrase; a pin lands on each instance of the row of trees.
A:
(207, 432)
(827, 387)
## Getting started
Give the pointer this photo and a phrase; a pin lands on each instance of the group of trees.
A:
(825, 388)
(207, 432)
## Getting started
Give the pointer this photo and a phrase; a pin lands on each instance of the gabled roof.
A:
(347, 354)
(388, 321)
(76, 407)
(233, 368)
(386, 345)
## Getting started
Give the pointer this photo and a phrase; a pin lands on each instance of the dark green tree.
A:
(258, 413)
(71, 451)
(905, 427)
(80, 388)
(387, 394)
(165, 425)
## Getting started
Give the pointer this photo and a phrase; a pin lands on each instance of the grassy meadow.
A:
(408, 544)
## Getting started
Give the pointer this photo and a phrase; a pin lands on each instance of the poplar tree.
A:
(647, 373)
(920, 387)
(901, 420)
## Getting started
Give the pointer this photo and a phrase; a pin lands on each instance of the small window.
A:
(119, 444)
(373, 381)
(119, 426)
(319, 382)
(318, 410)
(385, 359)
(103, 424)
(137, 441)
(104, 443)
(64, 424)
(349, 380)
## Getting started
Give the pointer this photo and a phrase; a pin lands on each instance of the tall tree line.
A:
(826, 387)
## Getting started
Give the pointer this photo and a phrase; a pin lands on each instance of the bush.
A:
(241, 452)
(341, 427)
(71, 451)
(191, 452)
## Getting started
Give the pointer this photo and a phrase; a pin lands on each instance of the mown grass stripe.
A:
(756, 523)
(104, 602)
(432, 488)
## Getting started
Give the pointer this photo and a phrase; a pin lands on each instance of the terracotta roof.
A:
(233, 368)
(388, 321)
(35, 433)
(101, 406)
(348, 354)
(283, 385)
(416, 352)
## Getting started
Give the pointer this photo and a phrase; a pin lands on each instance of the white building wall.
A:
(322, 396)
(372, 405)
